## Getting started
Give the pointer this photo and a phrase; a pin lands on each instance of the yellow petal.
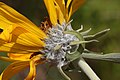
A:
(13, 69)
(51, 11)
(32, 73)
(21, 41)
(67, 9)
(61, 4)
(17, 48)
(4, 23)
(7, 59)
(60, 14)
(9, 15)
(19, 56)
(74, 6)
(21, 36)
(34, 61)
(5, 35)
(68, 3)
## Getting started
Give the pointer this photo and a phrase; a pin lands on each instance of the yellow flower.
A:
(18, 36)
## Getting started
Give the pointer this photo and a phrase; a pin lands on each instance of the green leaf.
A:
(113, 57)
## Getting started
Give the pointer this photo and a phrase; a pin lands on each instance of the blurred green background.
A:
(95, 14)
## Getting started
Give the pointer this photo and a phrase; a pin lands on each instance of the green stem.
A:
(88, 71)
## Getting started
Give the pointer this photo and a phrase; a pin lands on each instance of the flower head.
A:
(58, 43)
(21, 39)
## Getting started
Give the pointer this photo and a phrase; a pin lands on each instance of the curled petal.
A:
(34, 61)
(14, 68)
(32, 73)
(19, 56)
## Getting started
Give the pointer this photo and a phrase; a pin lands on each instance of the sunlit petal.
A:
(15, 48)
(60, 14)
(61, 8)
(68, 3)
(51, 10)
(18, 32)
(61, 4)
(12, 16)
(5, 35)
(23, 37)
(19, 56)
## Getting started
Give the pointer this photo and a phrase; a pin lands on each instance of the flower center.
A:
(58, 45)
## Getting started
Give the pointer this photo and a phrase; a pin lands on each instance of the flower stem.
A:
(88, 71)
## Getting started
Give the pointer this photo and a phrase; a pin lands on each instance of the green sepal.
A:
(82, 42)
(84, 33)
(97, 35)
